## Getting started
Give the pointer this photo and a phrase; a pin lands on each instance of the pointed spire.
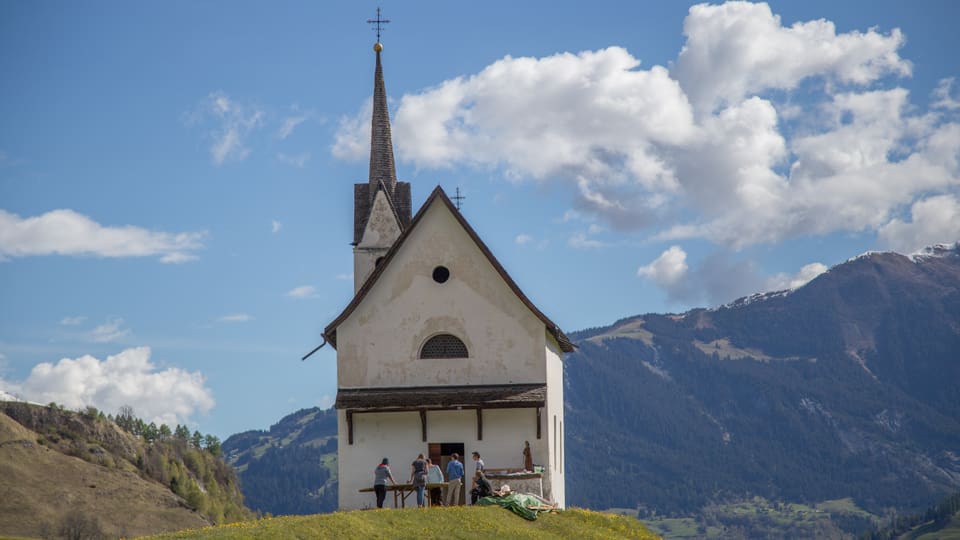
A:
(382, 168)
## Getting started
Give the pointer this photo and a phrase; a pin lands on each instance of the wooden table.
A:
(402, 491)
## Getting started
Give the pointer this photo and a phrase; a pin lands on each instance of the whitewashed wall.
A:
(554, 416)
(380, 233)
(397, 436)
(379, 343)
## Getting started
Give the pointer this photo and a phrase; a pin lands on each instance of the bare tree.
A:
(75, 525)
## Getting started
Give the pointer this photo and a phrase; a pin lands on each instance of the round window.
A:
(441, 274)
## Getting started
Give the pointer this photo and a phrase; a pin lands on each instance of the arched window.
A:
(443, 346)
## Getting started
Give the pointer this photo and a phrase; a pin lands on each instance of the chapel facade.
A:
(439, 351)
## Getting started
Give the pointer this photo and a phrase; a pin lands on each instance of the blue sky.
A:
(176, 179)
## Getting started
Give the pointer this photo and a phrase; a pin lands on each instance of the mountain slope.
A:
(39, 484)
(290, 469)
(844, 387)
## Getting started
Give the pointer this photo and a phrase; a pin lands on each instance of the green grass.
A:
(758, 517)
(460, 522)
(950, 532)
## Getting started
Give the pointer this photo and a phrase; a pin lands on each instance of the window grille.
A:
(443, 346)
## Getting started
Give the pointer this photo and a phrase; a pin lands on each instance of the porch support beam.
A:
(350, 427)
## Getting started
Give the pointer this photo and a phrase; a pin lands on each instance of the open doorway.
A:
(440, 454)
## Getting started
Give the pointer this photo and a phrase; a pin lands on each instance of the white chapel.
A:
(439, 351)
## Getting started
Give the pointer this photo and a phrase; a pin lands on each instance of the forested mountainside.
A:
(292, 467)
(846, 387)
(83, 474)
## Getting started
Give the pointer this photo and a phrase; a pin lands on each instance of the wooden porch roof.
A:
(410, 398)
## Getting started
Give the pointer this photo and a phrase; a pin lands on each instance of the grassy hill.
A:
(447, 523)
(60, 467)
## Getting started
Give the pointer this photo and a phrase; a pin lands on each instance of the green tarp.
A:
(518, 503)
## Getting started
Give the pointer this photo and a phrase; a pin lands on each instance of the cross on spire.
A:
(378, 22)
(458, 198)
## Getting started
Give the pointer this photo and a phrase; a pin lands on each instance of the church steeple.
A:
(382, 168)
(381, 205)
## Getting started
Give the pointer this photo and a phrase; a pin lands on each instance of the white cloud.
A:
(303, 291)
(933, 220)
(719, 147)
(110, 331)
(232, 124)
(289, 124)
(342, 277)
(236, 317)
(65, 232)
(325, 402)
(667, 270)
(275, 226)
(582, 241)
(944, 95)
(73, 321)
(169, 396)
(298, 161)
(522, 239)
(352, 140)
(737, 49)
(783, 281)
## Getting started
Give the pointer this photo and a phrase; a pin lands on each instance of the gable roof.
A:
(330, 332)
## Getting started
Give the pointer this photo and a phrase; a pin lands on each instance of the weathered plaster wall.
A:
(380, 233)
(378, 345)
(554, 415)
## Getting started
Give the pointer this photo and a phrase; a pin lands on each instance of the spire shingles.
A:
(382, 168)
(383, 172)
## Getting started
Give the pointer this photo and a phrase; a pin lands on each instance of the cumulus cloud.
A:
(111, 330)
(171, 396)
(718, 278)
(275, 226)
(667, 270)
(944, 95)
(783, 281)
(65, 232)
(736, 49)
(73, 321)
(352, 139)
(522, 239)
(757, 133)
(303, 291)
(933, 220)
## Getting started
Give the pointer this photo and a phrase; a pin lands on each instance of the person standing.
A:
(418, 477)
(434, 476)
(454, 480)
(480, 467)
(380, 476)
(527, 457)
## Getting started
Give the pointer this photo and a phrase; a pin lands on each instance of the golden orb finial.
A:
(378, 46)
